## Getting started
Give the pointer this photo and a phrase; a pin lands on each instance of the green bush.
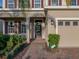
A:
(53, 39)
(10, 43)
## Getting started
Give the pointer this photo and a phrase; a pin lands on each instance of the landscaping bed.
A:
(10, 45)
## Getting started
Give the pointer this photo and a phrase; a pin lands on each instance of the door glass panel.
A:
(38, 29)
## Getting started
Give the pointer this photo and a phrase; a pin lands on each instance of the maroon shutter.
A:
(42, 4)
(6, 27)
(15, 1)
(49, 2)
(32, 3)
(77, 2)
(5, 3)
(60, 2)
(19, 27)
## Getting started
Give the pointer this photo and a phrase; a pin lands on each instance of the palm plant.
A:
(68, 2)
(23, 5)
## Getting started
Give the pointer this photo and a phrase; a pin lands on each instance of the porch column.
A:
(43, 30)
(27, 30)
(56, 26)
(3, 27)
(63, 2)
(3, 4)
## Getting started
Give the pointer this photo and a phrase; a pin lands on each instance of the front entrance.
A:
(38, 28)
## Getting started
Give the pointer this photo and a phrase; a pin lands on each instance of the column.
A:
(63, 2)
(3, 4)
(27, 30)
(43, 30)
(46, 2)
(56, 26)
(3, 27)
(17, 4)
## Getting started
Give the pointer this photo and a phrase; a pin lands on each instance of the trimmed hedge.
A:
(53, 39)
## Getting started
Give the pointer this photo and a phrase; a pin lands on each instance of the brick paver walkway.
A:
(37, 50)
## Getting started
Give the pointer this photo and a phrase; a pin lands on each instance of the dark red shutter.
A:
(6, 27)
(32, 3)
(60, 2)
(42, 4)
(5, 3)
(49, 2)
(78, 2)
(19, 27)
(15, 1)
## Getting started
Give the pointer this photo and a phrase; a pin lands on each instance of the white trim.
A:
(62, 7)
(3, 26)
(75, 18)
(63, 3)
(56, 26)
(3, 4)
(46, 3)
(25, 9)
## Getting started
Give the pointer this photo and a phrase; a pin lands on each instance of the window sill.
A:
(62, 7)
(20, 8)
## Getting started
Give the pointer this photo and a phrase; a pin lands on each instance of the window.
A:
(1, 3)
(56, 2)
(73, 2)
(23, 27)
(67, 23)
(11, 4)
(24, 3)
(60, 23)
(10, 27)
(37, 3)
(75, 23)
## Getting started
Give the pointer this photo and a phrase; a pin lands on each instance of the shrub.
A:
(10, 43)
(53, 39)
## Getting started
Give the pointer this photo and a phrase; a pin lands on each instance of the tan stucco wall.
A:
(63, 13)
(51, 28)
(69, 36)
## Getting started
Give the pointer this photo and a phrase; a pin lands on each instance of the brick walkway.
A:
(37, 50)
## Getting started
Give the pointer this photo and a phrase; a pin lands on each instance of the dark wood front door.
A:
(38, 28)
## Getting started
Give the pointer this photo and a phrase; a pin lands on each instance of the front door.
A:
(38, 29)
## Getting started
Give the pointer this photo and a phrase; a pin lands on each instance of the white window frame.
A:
(55, 5)
(22, 27)
(35, 4)
(9, 4)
